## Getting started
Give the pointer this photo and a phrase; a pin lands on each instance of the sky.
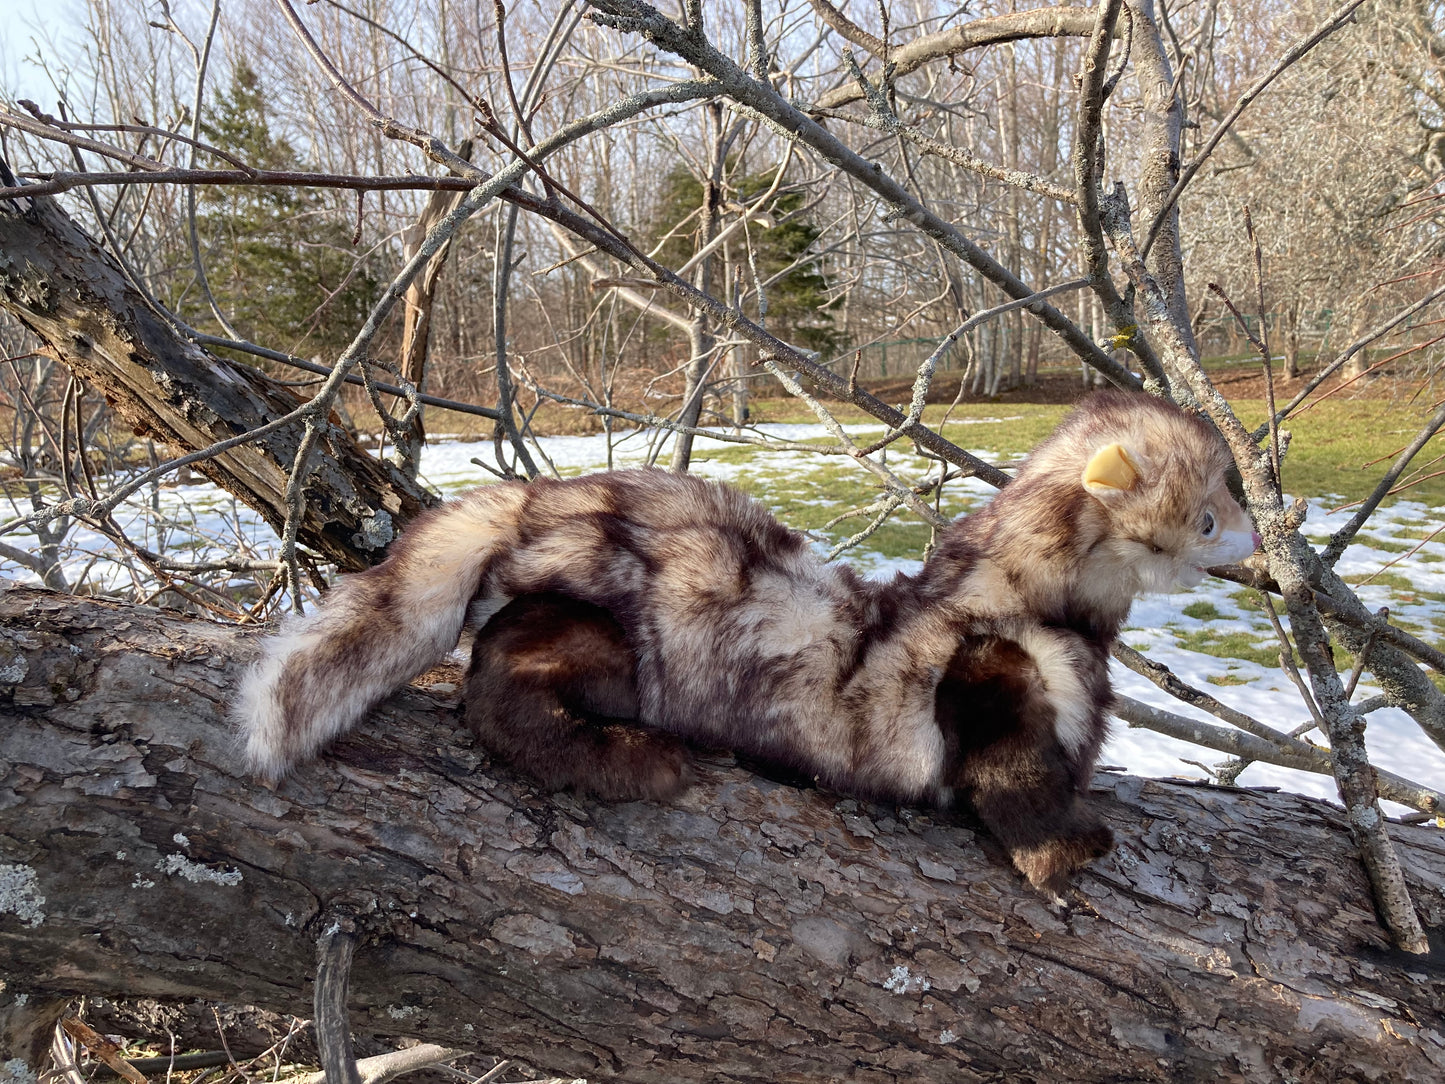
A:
(55, 25)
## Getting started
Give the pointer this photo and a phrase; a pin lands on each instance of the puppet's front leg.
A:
(996, 709)
(1023, 790)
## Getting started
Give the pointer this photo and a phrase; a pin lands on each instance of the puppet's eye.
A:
(1210, 526)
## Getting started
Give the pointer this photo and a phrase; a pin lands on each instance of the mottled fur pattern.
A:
(625, 614)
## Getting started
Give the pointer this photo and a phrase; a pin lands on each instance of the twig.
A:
(929, 365)
(884, 510)
(1355, 776)
(202, 60)
(333, 1026)
(847, 28)
(894, 484)
(1087, 162)
(382, 28)
(1181, 690)
(959, 156)
(1363, 658)
(1297, 754)
(63, 1053)
(96, 510)
(102, 1048)
(881, 116)
(1265, 356)
(351, 378)
(59, 181)
(381, 1068)
(501, 287)
(1287, 663)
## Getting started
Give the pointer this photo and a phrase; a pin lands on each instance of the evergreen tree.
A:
(798, 303)
(279, 259)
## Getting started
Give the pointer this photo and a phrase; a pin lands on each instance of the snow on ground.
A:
(204, 522)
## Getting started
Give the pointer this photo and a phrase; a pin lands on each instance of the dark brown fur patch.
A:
(1007, 761)
(552, 690)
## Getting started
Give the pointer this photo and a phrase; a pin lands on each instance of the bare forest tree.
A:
(250, 239)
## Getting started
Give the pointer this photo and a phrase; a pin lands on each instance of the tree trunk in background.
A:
(416, 324)
(1011, 325)
(701, 341)
(68, 290)
(1291, 340)
(748, 932)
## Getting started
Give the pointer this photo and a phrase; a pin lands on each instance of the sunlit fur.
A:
(621, 612)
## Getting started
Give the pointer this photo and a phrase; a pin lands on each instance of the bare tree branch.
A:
(975, 34)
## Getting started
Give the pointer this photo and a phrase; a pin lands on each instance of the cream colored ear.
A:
(1112, 469)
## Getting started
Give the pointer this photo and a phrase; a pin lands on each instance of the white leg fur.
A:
(1059, 666)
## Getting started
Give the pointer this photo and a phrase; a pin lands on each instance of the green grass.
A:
(1228, 645)
(808, 500)
(1243, 646)
(1343, 446)
(1327, 456)
(1247, 599)
(1340, 447)
(1387, 545)
(1203, 610)
(1418, 533)
(1392, 580)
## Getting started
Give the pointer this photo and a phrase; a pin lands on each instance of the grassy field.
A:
(1329, 459)
(1339, 448)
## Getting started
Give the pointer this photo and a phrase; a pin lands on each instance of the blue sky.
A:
(55, 24)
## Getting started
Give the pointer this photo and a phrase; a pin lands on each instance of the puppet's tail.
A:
(319, 675)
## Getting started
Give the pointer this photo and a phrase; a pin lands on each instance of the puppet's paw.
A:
(1050, 864)
(634, 763)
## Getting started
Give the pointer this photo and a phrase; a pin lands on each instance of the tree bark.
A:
(748, 932)
(69, 291)
(416, 320)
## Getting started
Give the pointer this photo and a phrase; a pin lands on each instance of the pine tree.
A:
(798, 303)
(279, 259)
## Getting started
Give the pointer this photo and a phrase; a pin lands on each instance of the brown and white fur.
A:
(625, 614)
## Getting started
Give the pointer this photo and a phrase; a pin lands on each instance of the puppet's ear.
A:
(1113, 469)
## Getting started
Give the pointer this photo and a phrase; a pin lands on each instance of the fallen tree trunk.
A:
(750, 932)
(72, 294)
